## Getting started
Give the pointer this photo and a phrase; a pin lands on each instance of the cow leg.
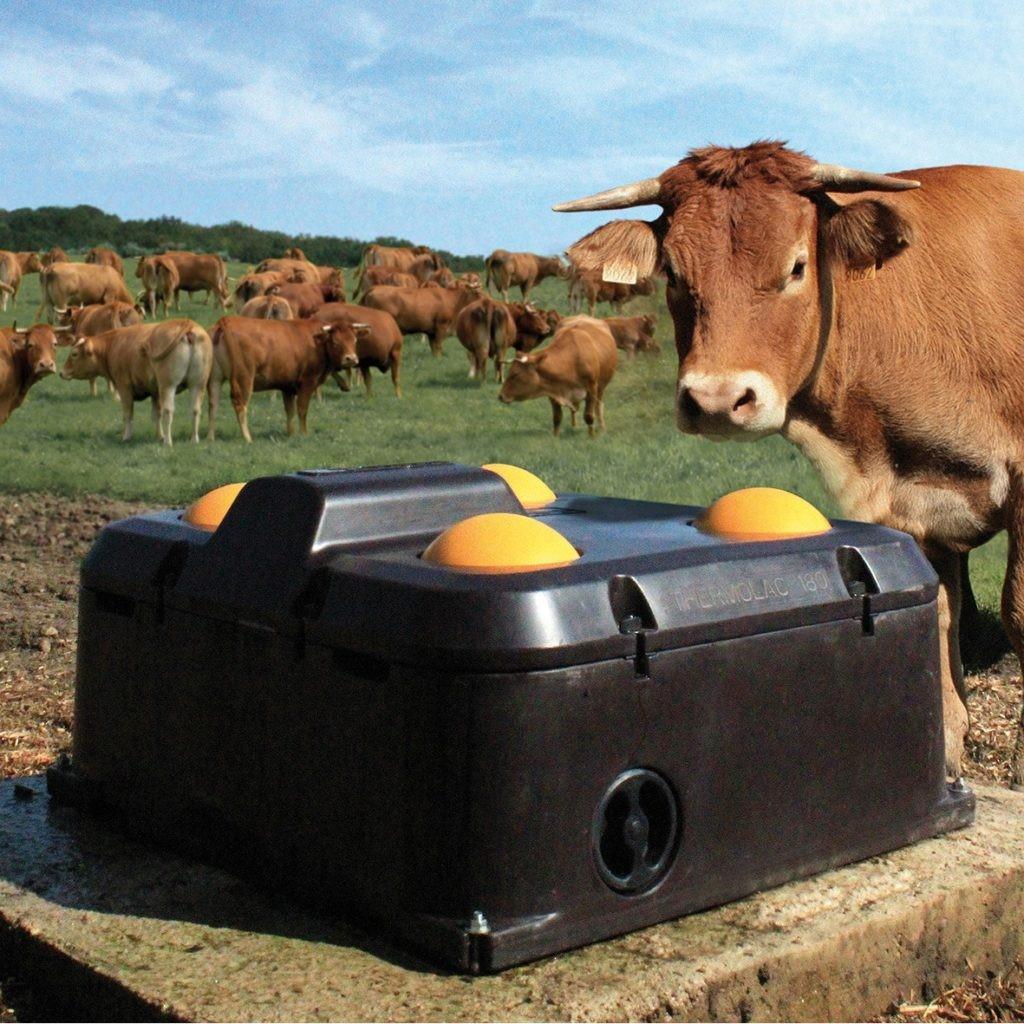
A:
(590, 411)
(954, 694)
(289, 410)
(166, 415)
(303, 401)
(437, 338)
(396, 368)
(364, 372)
(196, 394)
(93, 389)
(556, 416)
(241, 392)
(127, 412)
(1013, 604)
(212, 403)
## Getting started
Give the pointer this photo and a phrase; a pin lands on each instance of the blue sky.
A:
(459, 125)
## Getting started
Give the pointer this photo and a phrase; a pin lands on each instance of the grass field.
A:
(66, 442)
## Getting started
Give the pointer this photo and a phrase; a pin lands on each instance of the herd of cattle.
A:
(295, 327)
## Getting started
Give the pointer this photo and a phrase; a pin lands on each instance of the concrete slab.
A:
(112, 929)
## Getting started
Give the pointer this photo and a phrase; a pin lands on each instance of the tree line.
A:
(77, 228)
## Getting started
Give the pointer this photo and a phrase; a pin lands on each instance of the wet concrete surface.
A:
(117, 930)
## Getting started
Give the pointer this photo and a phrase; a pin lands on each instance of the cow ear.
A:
(622, 250)
(865, 234)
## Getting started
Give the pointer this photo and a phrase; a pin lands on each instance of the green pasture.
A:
(66, 442)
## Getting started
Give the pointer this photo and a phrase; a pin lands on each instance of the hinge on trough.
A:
(860, 582)
(632, 625)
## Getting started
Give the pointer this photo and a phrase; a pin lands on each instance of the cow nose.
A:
(48, 366)
(349, 360)
(727, 400)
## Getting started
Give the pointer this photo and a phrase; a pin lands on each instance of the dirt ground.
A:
(42, 540)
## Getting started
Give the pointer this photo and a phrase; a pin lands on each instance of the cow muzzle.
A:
(349, 361)
(735, 405)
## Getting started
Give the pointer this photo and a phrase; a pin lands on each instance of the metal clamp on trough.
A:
(496, 728)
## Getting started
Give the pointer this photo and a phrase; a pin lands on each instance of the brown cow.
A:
(430, 311)
(634, 334)
(293, 270)
(523, 269)
(290, 356)
(268, 307)
(587, 285)
(79, 284)
(160, 282)
(428, 266)
(10, 277)
(532, 325)
(148, 361)
(29, 262)
(334, 277)
(55, 255)
(87, 321)
(380, 347)
(306, 298)
(105, 257)
(373, 276)
(878, 327)
(295, 253)
(486, 329)
(575, 367)
(398, 257)
(251, 285)
(198, 272)
(25, 358)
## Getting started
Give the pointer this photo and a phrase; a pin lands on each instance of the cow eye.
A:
(797, 273)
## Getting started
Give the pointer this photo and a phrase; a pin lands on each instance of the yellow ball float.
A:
(762, 513)
(500, 542)
(208, 511)
(531, 491)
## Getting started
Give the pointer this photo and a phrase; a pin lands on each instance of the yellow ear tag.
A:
(208, 511)
(500, 542)
(531, 491)
(762, 513)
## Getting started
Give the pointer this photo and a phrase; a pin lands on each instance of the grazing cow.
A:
(252, 285)
(307, 298)
(55, 255)
(576, 366)
(426, 267)
(334, 277)
(523, 269)
(398, 257)
(79, 284)
(148, 361)
(878, 326)
(532, 325)
(87, 321)
(25, 357)
(198, 272)
(633, 334)
(10, 277)
(379, 347)
(160, 282)
(29, 262)
(268, 307)
(373, 276)
(587, 285)
(105, 258)
(300, 271)
(430, 311)
(486, 329)
(290, 356)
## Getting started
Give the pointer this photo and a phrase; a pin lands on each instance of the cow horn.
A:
(639, 193)
(835, 178)
(67, 327)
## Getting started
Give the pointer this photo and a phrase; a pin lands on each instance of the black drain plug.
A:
(635, 830)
